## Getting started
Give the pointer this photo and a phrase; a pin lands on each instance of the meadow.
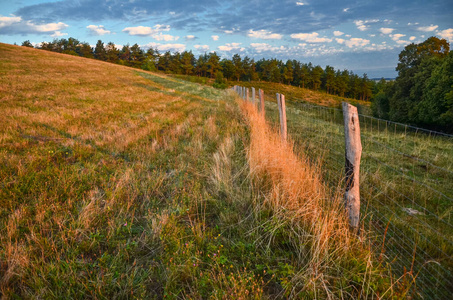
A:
(117, 183)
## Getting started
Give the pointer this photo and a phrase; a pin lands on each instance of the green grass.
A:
(401, 168)
(124, 184)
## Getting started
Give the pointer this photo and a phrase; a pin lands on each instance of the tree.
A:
(112, 53)
(187, 62)
(238, 66)
(137, 56)
(99, 51)
(213, 64)
(436, 107)
(27, 44)
(416, 63)
(228, 68)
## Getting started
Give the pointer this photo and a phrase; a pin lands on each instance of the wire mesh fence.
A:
(406, 189)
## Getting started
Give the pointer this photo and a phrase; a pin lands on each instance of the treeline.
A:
(342, 83)
(422, 94)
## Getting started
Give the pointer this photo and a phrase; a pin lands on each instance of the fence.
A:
(406, 188)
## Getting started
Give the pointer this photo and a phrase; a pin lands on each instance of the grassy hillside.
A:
(124, 184)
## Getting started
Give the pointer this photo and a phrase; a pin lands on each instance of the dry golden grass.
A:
(319, 231)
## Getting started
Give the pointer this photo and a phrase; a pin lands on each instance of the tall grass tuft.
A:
(331, 261)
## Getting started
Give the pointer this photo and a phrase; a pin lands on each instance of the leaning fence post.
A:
(282, 113)
(261, 95)
(353, 154)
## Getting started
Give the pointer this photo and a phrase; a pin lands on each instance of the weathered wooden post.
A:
(253, 95)
(353, 154)
(243, 93)
(261, 95)
(247, 94)
(282, 114)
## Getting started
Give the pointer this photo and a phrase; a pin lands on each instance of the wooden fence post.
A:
(243, 93)
(261, 95)
(247, 94)
(353, 154)
(253, 95)
(282, 114)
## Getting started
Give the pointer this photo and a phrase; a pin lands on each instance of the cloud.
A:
(428, 28)
(397, 36)
(384, 30)
(190, 37)
(8, 21)
(166, 47)
(446, 34)
(340, 41)
(262, 47)
(412, 38)
(16, 25)
(264, 34)
(310, 37)
(402, 42)
(338, 33)
(301, 3)
(215, 37)
(58, 34)
(165, 37)
(98, 30)
(146, 31)
(346, 9)
(362, 24)
(231, 47)
(356, 42)
(202, 48)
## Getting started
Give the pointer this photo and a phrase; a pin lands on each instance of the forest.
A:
(421, 95)
(343, 83)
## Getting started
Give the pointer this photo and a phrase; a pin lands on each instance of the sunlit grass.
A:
(124, 184)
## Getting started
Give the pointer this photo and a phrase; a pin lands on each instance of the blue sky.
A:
(362, 36)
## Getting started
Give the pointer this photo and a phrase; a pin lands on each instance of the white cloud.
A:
(228, 31)
(446, 34)
(428, 28)
(190, 37)
(203, 48)
(356, 42)
(215, 37)
(98, 29)
(340, 41)
(412, 38)
(165, 37)
(346, 9)
(231, 47)
(301, 3)
(397, 36)
(362, 24)
(261, 47)
(7, 21)
(166, 47)
(146, 31)
(16, 25)
(337, 33)
(58, 33)
(402, 42)
(386, 30)
(264, 34)
(310, 37)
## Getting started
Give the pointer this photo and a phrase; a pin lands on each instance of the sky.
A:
(361, 36)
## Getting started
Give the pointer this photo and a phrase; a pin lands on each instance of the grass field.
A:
(402, 168)
(117, 183)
